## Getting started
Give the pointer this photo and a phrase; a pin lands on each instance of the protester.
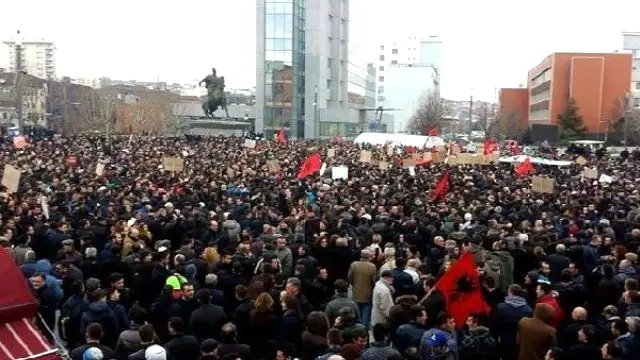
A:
(201, 247)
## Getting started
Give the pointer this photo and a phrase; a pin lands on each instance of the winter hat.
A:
(191, 270)
(437, 339)
(155, 352)
(92, 353)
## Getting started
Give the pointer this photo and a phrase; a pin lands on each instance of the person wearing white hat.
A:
(155, 352)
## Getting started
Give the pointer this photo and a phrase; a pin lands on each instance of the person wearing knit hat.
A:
(155, 352)
(92, 353)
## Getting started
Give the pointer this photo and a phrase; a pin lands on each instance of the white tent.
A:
(535, 160)
(398, 140)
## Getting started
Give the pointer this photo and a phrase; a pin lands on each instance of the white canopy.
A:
(535, 160)
(398, 140)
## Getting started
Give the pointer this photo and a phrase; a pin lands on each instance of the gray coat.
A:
(338, 302)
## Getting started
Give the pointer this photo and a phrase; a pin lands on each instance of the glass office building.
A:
(281, 76)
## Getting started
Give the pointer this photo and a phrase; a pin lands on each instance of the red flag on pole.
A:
(525, 167)
(440, 191)
(490, 146)
(310, 166)
(282, 139)
(461, 289)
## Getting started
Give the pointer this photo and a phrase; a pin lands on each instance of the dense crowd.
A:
(234, 257)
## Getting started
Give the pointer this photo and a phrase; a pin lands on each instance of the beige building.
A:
(34, 99)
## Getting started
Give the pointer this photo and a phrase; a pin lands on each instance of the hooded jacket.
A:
(506, 317)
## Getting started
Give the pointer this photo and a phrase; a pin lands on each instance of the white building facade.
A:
(406, 85)
(409, 50)
(631, 42)
(37, 57)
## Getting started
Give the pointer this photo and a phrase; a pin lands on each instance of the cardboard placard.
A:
(100, 167)
(408, 162)
(339, 172)
(426, 156)
(452, 160)
(590, 173)
(173, 164)
(542, 185)
(455, 150)
(436, 157)
(383, 165)
(249, 143)
(465, 159)
(493, 158)
(331, 152)
(273, 166)
(581, 160)
(365, 156)
(11, 178)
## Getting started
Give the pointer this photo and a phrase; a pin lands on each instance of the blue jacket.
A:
(44, 266)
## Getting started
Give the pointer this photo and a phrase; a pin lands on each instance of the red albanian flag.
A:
(282, 139)
(460, 287)
(310, 166)
(440, 191)
(490, 146)
(525, 167)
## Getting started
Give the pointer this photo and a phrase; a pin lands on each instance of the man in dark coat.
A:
(207, 320)
(402, 281)
(181, 346)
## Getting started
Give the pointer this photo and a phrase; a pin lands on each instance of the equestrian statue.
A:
(215, 94)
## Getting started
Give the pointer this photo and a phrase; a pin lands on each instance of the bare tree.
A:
(624, 124)
(507, 125)
(484, 112)
(430, 113)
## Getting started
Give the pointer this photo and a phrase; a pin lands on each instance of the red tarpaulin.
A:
(19, 338)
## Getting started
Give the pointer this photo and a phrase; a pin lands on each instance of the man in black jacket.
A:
(181, 346)
(207, 320)
(229, 344)
(93, 334)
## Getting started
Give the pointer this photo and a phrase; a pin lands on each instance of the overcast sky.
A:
(487, 44)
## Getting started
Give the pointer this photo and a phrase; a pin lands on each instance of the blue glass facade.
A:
(284, 67)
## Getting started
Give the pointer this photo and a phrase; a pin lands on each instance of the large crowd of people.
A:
(232, 255)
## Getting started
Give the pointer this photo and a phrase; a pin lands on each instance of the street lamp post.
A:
(316, 124)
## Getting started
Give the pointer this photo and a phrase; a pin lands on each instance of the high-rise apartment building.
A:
(631, 42)
(411, 50)
(302, 66)
(34, 56)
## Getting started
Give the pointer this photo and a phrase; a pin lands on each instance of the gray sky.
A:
(488, 44)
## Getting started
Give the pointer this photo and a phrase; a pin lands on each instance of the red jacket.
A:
(558, 315)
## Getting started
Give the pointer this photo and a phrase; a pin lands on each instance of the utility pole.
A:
(470, 113)
(627, 114)
(18, 81)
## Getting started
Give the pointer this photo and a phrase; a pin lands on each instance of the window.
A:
(381, 57)
(380, 89)
(381, 68)
(382, 47)
(381, 78)
(394, 52)
(394, 62)
(636, 102)
(329, 61)
(330, 18)
(637, 85)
